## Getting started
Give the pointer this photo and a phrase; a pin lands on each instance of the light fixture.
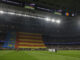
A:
(58, 21)
(11, 13)
(1, 12)
(19, 14)
(25, 15)
(53, 20)
(47, 19)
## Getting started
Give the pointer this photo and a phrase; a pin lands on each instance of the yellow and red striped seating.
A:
(29, 40)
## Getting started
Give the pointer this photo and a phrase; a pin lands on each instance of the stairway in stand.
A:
(29, 40)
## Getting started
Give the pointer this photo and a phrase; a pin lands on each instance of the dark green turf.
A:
(40, 55)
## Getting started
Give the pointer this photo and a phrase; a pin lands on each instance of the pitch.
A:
(39, 55)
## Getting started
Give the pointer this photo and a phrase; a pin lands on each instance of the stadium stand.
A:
(35, 41)
(64, 47)
(10, 40)
(1, 44)
(29, 40)
(2, 38)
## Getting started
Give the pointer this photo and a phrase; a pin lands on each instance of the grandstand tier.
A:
(10, 40)
(29, 40)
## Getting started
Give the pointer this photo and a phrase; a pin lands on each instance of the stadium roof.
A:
(71, 4)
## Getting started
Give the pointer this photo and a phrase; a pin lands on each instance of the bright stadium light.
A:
(53, 20)
(1, 12)
(11, 13)
(19, 14)
(58, 21)
(47, 19)
(25, 15)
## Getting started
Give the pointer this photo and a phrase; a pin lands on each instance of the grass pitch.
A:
(39, 55)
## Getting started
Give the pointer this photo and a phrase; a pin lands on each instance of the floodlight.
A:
(53, 20)
(11, 13)
(58, 21)
(19, 14)
(1, 12)
(47, 19)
